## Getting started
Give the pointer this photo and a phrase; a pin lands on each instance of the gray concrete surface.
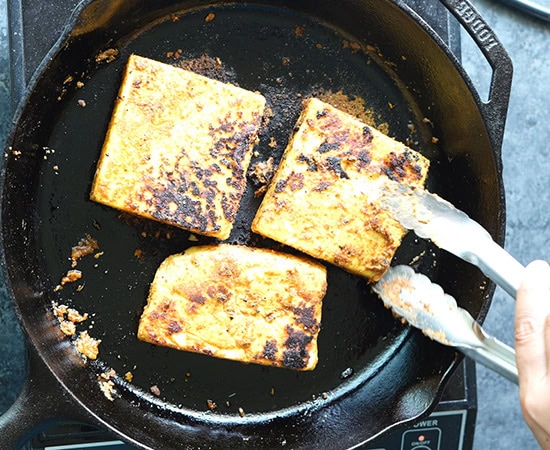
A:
(526, 159)
(526, 152)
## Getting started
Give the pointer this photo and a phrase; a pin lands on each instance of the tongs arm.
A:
(492, 353)
(497, 264)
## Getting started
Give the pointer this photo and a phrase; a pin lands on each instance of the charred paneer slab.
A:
(319, 200)
(178, 148)
(235, 302)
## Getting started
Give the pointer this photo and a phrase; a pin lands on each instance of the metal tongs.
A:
(422, 303)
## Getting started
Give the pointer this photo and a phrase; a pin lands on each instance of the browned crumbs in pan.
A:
(68, 318)
(299, 30)
(175, 55)
(354, 106)
(208, 66)
(155, 390)
(108, 55)
(86, 246)
(71, 276)
(261, 174)
(211, 405)
(67, 328)
(354, 46)
(210, 17)
(107, 385)
(87, 345)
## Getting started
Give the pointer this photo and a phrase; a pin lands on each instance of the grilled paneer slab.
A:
(178, 148)
(235, 302)
(319, 202)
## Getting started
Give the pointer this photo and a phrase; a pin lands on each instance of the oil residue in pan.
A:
(286, 57)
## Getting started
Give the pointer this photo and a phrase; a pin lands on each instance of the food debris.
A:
(155, 390)
(210, 17)
(129, 376)
(67, 328)
(211, 67)
(74, 316)
(68, 318)
(79, 84)
(71, 276)
(346, 373)
(435, 140)
(354, 106)
(16, 153)
(138, 253)
(86, 246)
(108, 389)
(241, 412)
(87, 345)
(174, 17)
(106, 384)
(428, 121)
(81, 103)
(261, 174)
(299, 31)
(108, 55)
(211, 405)
(354, 46)
(438, 336)
(60, 310)
(175, 55)
(272, 142)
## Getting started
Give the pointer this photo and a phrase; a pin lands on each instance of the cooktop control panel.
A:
(442, 430)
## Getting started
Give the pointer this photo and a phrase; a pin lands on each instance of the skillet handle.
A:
(41, 403)
(495, 108)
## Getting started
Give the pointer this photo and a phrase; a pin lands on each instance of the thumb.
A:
(532, 310)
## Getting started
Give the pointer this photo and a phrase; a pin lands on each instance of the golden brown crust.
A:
(317, 203)
(178, 148)
(235, 302)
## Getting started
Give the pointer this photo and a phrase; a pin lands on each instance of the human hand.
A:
(532, 341)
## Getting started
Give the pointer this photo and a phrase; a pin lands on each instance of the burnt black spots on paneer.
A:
(399, 166)
(270, 350)
(305, 316)
(296, 353)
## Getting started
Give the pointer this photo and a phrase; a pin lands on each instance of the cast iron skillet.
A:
(374, 374)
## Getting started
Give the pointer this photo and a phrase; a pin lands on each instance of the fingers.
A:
(532, 315)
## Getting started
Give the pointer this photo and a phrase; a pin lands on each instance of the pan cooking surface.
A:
(286, 57)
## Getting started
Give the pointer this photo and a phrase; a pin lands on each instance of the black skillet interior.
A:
(287, 56)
